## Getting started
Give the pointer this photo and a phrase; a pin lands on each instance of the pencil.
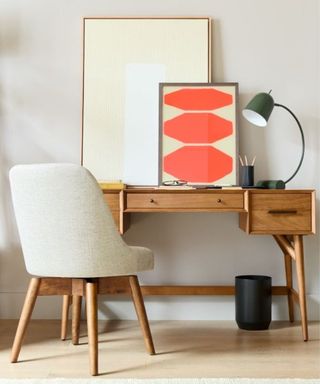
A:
(241, 162)
(246, 160)
(253, 161)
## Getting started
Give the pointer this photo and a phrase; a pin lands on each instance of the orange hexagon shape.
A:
(198, 164)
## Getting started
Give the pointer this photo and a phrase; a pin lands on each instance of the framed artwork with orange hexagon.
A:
(198, 133)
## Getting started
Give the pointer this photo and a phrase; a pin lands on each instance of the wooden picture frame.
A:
(199, 133)
(124, 60)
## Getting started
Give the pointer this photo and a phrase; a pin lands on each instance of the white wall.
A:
(260, 44)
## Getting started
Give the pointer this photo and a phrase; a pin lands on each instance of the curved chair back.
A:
(65, 226)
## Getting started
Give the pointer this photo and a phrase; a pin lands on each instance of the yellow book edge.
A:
(111, 185)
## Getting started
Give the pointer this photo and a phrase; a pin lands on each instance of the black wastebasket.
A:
(253, 302)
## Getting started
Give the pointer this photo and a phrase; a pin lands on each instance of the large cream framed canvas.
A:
(124, 60)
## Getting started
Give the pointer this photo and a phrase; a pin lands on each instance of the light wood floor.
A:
(184, 349)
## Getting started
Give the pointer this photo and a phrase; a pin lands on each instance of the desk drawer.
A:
(184, 201)
(281, 213)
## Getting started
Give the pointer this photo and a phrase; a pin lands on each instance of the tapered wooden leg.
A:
(76, 317)
(298, 246)
(26, 313)
(65, 316)
(289, 253)
(141, 313)
(288, 268)
(92, 323)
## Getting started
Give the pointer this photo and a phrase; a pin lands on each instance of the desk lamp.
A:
(258, 112)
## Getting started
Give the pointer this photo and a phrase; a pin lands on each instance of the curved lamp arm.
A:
(302, 139)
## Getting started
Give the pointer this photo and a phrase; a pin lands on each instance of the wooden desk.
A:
(286, 215)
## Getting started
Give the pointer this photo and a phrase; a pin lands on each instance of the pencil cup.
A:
(247, 175)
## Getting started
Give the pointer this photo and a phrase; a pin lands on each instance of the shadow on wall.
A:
(17, 145)
(252, 140)
(9, 250)
(217, 52)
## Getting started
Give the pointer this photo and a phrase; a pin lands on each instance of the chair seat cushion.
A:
(145, 260)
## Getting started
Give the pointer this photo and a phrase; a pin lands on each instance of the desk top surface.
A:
(209, 190)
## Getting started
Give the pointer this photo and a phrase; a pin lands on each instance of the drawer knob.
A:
(151, 201)
(219, 201)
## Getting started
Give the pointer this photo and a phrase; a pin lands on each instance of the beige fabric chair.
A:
(71, 245)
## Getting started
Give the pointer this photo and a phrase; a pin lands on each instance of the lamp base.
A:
(271, 184)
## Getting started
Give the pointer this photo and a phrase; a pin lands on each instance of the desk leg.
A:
(289, 254)
(288, 268)
(293, 249)
(298, 247)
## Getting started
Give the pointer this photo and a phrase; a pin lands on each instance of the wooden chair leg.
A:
(76, 317)
(92, 323)
(298, 246)
(288, 269)
(26, 313)
(65, 316)
(141, 313)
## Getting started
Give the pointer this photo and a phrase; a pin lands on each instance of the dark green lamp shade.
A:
(259, 109)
